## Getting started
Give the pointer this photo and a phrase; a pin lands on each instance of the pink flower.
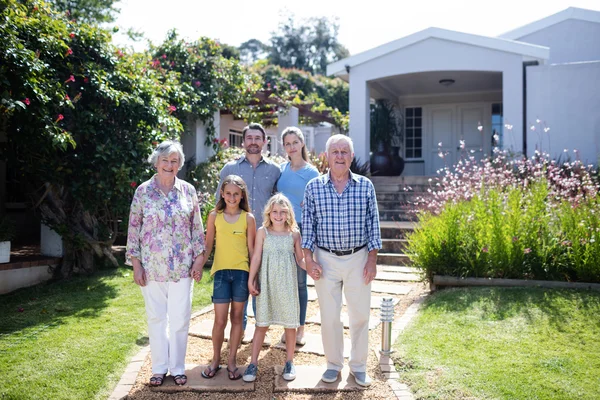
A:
(484, 249)
(60, 117)
(515, 239)
(86, 80)
(164, 56)
(26, 101)
(69, 52)
(133, 184)
(172, 108)
(527, 250)
(197, 83)
(71, 79)
(20, 309)
(67, 97)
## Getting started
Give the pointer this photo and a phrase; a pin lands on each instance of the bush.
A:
(502, 218)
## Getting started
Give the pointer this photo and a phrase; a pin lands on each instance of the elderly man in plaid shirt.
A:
(341, 238)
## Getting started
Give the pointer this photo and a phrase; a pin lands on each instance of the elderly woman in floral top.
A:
(165, 242)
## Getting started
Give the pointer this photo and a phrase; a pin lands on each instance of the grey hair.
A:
(165, 149)
(339, 138)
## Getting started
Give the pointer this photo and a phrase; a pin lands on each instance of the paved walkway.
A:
(308, 376)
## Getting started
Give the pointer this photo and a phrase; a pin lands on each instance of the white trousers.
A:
(168, 308)
(344, 273)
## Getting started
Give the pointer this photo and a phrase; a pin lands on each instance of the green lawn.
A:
(509, 343)
(73, 339)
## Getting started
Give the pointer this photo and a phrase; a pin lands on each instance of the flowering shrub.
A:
(510, 218)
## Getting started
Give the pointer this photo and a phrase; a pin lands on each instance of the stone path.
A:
(393, 281)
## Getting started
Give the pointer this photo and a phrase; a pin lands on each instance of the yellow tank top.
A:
(231, 244)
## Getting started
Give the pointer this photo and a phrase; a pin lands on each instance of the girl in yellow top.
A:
(234, 227)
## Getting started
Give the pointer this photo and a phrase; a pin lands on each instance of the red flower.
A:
(197, 83)
(20, 309)
(72, 35)
(67, 97)
(133, 184)
(69, 52)
(172, 109)
(71, 79)
(120, 53)
(26, 101)
(60, 117)
(85, 80)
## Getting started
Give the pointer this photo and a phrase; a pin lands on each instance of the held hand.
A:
(370, 272)
(196, 271)
(253, 287)
(314, 270)
(139, 276)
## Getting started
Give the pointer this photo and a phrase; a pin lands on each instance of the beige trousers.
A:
(344, 273)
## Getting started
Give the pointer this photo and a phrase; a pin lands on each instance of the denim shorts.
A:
(230, 285)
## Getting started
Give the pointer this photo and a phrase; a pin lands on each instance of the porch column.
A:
(194, 137)
(51, 243)
(512, 104)
(360, 118)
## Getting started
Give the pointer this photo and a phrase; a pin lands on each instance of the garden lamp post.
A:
(387, 317)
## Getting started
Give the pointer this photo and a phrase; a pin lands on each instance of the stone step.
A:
(405, 180)
(394, 245)
(373, 321)
(308, 380)
(396, 229)
(397, 215)
(398, 268)
(395, 205)
(400, 187)
(400, 197)
(196, 383)
(376, 300)
(397, 277)
(393, 259)
(314, 345)
(203, 329)
(380, 287)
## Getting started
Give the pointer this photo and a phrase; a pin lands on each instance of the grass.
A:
(73, 339)
(508, 343)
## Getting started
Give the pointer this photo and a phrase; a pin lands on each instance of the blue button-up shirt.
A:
(261, 182)
(340, 221)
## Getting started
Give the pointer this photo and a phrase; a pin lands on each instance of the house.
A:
(535, 87)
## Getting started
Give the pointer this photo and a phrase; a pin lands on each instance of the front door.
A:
(455, 134)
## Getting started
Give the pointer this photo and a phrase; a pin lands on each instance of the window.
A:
(497, 134)
(235, 138)
(413, 132)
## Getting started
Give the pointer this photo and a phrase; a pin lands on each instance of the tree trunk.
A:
(79, 231)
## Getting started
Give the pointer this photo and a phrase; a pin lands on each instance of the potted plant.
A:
(7, 233)
(386, 139)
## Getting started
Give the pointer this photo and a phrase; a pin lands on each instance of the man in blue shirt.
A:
(341, 238)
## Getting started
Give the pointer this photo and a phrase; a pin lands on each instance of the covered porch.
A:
(456, 91)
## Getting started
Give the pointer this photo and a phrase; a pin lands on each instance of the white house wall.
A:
(436, 55)
(567, 99)
(569, 41)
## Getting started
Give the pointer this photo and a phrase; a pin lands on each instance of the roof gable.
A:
(570, 13)
(342, 67)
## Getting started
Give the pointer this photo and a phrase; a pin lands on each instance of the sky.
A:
(363, 25)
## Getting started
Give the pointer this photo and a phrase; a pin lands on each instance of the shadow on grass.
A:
(501, 303)
(49, 304)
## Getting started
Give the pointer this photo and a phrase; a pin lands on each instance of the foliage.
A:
(7, 229)
(207, 80)
(293, 87)
(503, 343)
(308, 45)
(386, 126)
(88, 11)
(525, 219)
(80, 117)
(253, 50)
(73, 339)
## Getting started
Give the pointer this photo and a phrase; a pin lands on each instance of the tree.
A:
(89, 11)
(79, 117)
(253, 50)
(309, 45)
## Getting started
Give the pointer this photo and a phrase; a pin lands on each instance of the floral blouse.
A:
(165, 231)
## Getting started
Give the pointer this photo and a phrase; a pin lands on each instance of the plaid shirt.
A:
(340, 221)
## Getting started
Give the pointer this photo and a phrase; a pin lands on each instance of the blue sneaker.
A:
(330, 376)
(289, 371)
(361, 378)
(250, 374)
